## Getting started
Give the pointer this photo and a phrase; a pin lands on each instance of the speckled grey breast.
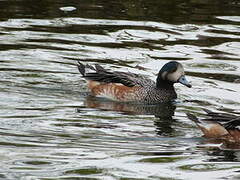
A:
(151, 94)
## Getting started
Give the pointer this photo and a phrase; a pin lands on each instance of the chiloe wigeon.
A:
(221, 126)
(131, 87)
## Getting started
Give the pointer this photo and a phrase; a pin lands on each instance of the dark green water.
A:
(50, 129)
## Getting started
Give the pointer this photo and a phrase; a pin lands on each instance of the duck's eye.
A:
(172, 70)
(175, 74)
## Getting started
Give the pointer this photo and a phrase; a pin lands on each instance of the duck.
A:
(221, 126)
(132, 87)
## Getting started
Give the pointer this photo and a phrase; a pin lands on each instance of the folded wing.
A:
(99, 74)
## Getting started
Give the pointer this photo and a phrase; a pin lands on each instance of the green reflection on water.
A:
(207, 167)
(85, 171)
(162, 159)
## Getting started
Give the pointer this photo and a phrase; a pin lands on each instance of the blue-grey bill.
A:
(184, 81)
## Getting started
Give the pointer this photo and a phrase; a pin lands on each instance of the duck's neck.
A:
(163, 84)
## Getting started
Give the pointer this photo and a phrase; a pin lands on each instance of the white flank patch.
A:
(107, 93)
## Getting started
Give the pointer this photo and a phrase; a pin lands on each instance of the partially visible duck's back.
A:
(219, 126)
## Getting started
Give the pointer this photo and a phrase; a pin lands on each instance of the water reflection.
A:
(198, 11)
(163, 110)
(164, 126)
(221, 155)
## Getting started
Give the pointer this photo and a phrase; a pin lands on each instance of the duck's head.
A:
(172, 72)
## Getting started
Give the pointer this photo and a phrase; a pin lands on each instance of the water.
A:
(50, 129)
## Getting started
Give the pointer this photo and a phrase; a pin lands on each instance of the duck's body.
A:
(127, 87)
(119, 92)
(219, 126)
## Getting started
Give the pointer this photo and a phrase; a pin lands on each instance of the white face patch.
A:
(176, 75)
(164, 74)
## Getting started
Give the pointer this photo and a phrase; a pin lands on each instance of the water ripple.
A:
(52, 129)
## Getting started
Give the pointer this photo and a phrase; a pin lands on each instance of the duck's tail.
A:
(81, 68)
(86, 69)
(99, 74)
